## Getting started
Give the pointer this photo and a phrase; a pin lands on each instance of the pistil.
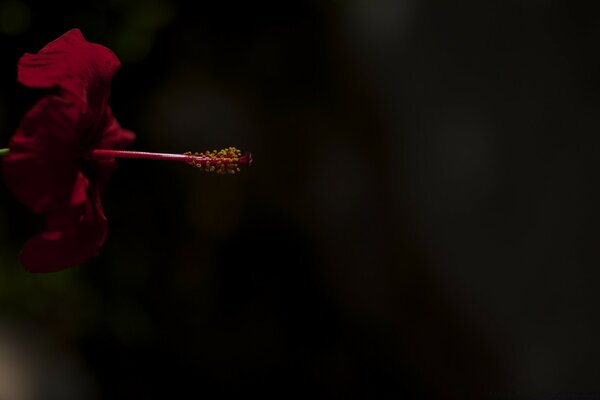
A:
(226, 161)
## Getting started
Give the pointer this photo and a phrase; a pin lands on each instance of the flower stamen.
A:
(226, 161)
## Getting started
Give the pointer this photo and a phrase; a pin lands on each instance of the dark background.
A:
(421, 220)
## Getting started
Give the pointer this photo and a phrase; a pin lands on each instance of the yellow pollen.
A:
(225, 161)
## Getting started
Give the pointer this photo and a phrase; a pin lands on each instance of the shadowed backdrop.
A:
(420, 221)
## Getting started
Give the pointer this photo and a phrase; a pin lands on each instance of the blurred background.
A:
(421, 220)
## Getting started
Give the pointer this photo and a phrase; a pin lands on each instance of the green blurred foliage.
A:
(15, 17)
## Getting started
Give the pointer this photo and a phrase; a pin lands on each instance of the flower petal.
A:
(73, 64)
(46, 167)
(43, 164)
(112, 135)
(73, 236)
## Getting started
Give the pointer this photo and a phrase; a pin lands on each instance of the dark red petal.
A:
(72, 237)
(71, 63)
(112, 136)
(42, 168)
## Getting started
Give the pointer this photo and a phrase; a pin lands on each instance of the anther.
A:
(225, 161)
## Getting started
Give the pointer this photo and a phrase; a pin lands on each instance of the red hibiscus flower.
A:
(45, 165)
(64, 150)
